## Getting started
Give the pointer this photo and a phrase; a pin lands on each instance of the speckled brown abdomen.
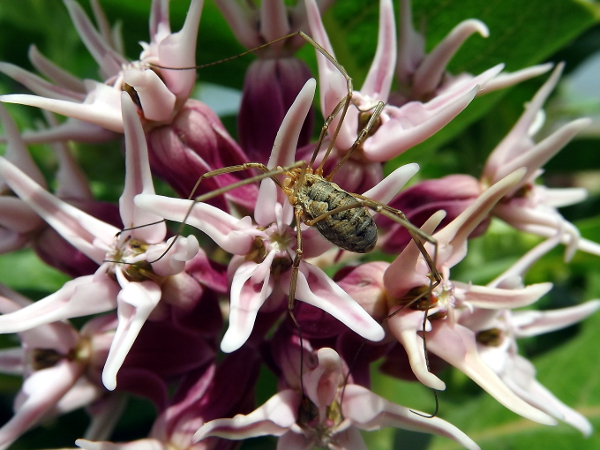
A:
(353, 229)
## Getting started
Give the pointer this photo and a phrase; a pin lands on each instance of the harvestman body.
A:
(352, 229)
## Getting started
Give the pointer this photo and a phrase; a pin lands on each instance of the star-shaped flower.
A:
(329, 414)
(134, 263)
(95, 107)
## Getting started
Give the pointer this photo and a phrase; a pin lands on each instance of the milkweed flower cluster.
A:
(274, 270)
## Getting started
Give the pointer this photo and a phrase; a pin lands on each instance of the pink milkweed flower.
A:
(328, 414)
(400, 126)
(497, 332)
(62, 367)
(423, 76)
(159, 93)
(185, 137)
(275, 78)
(133, 267)
(262, 266)
(56, 362)
(409, 275)
(528, 206)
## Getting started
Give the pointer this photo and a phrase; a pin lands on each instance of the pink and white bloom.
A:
(328, 414)
(159, 93)
(400, 126)
(262, 266)
(424, 76)
(409, 275)
(21, 225)
(205, 394)
(134, 263)
(529, 206)
(497, 332)
(186, 138)
(57, 365)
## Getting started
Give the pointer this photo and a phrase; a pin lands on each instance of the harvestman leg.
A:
(417, 235)
(342, 106)
(267, 173)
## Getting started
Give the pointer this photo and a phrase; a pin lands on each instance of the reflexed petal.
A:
(456, 233)
(232, 235)
(105, 413)
(379, 79)
(316, 288)
(135, 301)
(138, 178)
(12, 361)
(55, 73)
(507, 79)
(80, 297)
(81, 230)
(250, 288)
(457, 346)
(143, 444)
(492, 298)
(368, 411)
(109, 61)
(389, 187)
(39, 394)
(16, 152)
(335, 88)
(521, 379)
(411, 124)
(518, 140)
(17, 217)
(534, 323)
(71, 129)
(284, 153)
(275, 417)
(102, 106)
(432, 68)
(241, 21)
(404, 326)
(409, 270)
(40, 86)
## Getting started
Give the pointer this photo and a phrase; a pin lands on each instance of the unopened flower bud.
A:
(196, 142)
(270, 88)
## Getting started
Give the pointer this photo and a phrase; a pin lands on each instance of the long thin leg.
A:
(267, 173)
(292, 292)
(418, 237)
(342, 106)
(435, 278)
(363, 135)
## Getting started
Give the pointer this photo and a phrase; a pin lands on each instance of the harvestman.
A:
(319, 202)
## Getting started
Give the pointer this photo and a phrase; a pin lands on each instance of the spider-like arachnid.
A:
(311, 199)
